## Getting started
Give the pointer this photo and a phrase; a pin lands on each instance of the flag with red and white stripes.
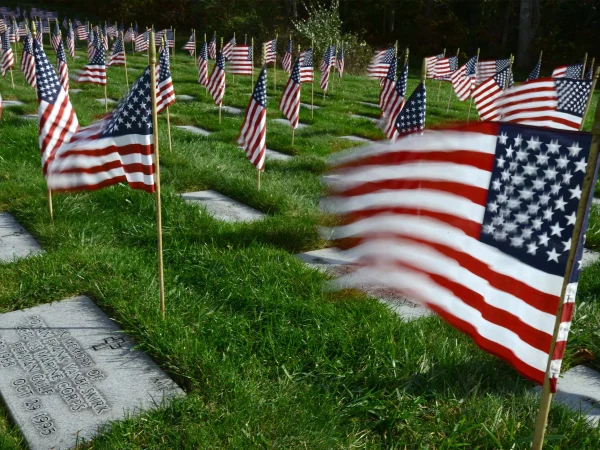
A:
(203, 65)
(190, 45)
(380, 64)
(289, 104)
(436, 218)
(95, 71)
(141, 42)
(487, 94)
(394, 105)
(463, 79)
(254, 128)
(61, 67)
(431, 62)
(445, 67)
(82, 32)
(8, 58)
(56, 37)
(286, 62)
(28, 61)
(307, 72)
(326, 64)
(118, 148)
(165, 93)
(240, 60)
(547, 102)
(117, 58)
(270, 51)
(339, 62)
(487, 69)
(572, 71)
(71, 41)
(228, 48)
(56, 118)
(212, 48)
(388, 86)
(216, 81)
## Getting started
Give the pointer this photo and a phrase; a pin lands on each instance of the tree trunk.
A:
(428, 8)
(525, 32)
(288, 9)
(294, 10)
(509, 8)
(392, 15)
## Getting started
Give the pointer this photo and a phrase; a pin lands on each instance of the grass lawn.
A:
(266, 358)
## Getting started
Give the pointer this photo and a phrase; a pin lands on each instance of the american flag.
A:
(104, 37)
(61, 67)
(2, 26)
(572, 71)
(326, 64)
(212, 48)
(13, 32)
(117, 58)
(306, 66)
(1, 106)
(463, 80)
(487, 94)
(388, 86)
(95, 71)
(380, 64)
(118, 148)
(190, 45)
(290, 99)
(28, 61)
(165, 94)
(240, 60)
(158, 35)
(39, 36)
(547, 102)
(339, 62)
(8, 58)
(483, 241)
(535, 73)
(270, 51)
(141, 42)
(56, 37)
(431, 62)
(286, 62)
(22, 29)
(82, 32)
(254, 128)
(111, 31)
(395, 104)
(228, 48)
(411, 118)
(203, 65)
(129, 35)
(71, 41)
(170, 37)
(216, 82)
(91, 44)
(487, 69)
(56, 118)
(590, 74)
(445, 67)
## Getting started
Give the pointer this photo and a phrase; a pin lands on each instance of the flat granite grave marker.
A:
(374, 105)
(356, 138)
(337, 262)
(193, 129)
(8, 103)
(66, 369)
(287, 122)
(109, 101)
(15, 241)
(358, 116)
(74, 91)
(307, 106)
(272, 154)
(29, 116)
(231, 109)
(222, 207)
(184, 97)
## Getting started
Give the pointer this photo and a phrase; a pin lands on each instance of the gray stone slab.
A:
(110, 101)
(67, 369)
(29, 116)
(579, 390)
(337, 262)
(596, 201)
(193, 129)
(15, 241)
(307, 106)
(589, 257)
(74, 91)
(358, 116)
(8, 103)
(272, 154)
(287, 122)
(374, 105)
(356, 138)
(132, 69)
(222, 207)
(184, 97)
(231, 109)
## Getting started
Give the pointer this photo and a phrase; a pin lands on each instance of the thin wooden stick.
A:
(49, 195)
(258, 179)
(589, 102)
(12, 81)
(219, 113)
(169, 131)
(293, 132)
(312, 86)
(161, 276)
(125, 60)
(471, 100)
(546, 396)
(105, 98)
(593, 64)
(275, 68)
(252, 74)
(440, 82)
(583, 67)
(173, 44)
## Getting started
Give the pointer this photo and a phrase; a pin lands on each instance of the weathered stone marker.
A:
(66, 369)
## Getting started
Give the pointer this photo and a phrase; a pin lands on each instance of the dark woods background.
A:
(563, 29)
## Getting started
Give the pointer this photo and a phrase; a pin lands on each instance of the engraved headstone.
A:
(15, 241)
(66, 369)
(193, 129)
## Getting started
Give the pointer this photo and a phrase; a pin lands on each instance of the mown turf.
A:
(267, 359)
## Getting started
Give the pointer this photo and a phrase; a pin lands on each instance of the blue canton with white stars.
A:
(412, 117)
(250, 56)
(534, 194)
(221, 61)
(391, 74)
(295, 76)
(260, 89)
(502, 64)
(453, 62)
(204, 51)
(27, 45)
(590, 74)
(401, 83)
(5, 44)
(60, 54)
(165, 66)
(535, 73)
(574, 71)
(308, 58)
(501, 77)
(134, 113)
(572, 95)
(340, 56)
(470, 67)
(98, 56)
(388, 56)
(118, 47)
(289, 46)
(48, 86)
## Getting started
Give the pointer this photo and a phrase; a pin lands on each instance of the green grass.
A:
(267, 359)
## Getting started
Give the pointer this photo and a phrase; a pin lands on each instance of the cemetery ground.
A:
(266, 357)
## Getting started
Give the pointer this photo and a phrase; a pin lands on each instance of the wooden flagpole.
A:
(252, 74)
(161, 277)
(132, 39)
(312, 86)
(125, 60)
(592, 65)
(105, 96)
(232, 75)
(275, 66)
(174, 30)
(546, 396)
(166, 42)
(195, 53)
(206, 87)
(471, 100)
(450, 91)
(440, 81)
(12, 81)
(225, 81)
(589, 102)
(583, 67)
